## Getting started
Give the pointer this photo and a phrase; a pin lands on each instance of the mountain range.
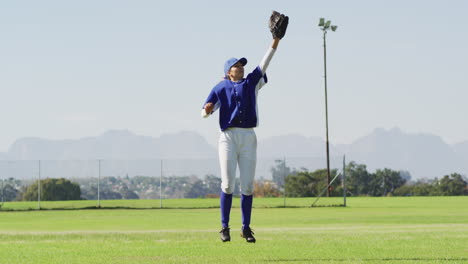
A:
(423, 155)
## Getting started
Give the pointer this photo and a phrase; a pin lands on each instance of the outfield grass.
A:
(369, 230)
(166, 204)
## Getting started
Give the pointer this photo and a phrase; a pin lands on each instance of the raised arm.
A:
(275, 43)
(278, 25)
(269, 55)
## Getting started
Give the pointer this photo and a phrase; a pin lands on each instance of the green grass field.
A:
(166, 204)
(369, 230)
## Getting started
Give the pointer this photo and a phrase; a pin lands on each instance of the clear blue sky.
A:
(70, 69)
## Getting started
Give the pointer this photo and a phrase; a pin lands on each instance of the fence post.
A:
(98, 184)
(39, 186)
(284, 182)
(344, 180)
(160, 185)
(3, 200)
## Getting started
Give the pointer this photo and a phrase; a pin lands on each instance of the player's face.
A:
(236, 72)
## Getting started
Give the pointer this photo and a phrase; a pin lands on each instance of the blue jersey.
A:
(237, 101)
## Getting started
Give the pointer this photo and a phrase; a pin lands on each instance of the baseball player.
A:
(236, 99)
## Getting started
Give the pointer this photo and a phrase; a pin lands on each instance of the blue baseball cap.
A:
(229, 63)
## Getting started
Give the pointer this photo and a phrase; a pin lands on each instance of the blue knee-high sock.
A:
(246, 205)
(225, 205)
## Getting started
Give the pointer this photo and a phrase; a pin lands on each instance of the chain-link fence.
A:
(154, 183)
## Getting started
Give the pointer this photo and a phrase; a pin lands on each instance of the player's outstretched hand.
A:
(278, 25)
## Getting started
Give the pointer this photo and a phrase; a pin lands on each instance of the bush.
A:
(53, 190)
(310, 184)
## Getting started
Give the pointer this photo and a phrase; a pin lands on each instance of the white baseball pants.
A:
(237, 146)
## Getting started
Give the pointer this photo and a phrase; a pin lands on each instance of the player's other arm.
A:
(207, 109)
(211, 104)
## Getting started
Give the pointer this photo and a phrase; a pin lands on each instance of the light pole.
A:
(325, 26)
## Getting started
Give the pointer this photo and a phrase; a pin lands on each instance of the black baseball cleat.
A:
(248, 235)
(224, 233)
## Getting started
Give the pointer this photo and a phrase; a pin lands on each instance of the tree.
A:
(213, 185)
(386, 181)
(405, 190)
(419, 188)
(405, 175)
(9, 193)
(280, 171)
(300, 185)
(452, 184)
(423, 188)
(129, 195)
(89, 193)
(309, 184)
(53, 190)
(383, 182)
(107, 194)
(358, 180)
(196, 190)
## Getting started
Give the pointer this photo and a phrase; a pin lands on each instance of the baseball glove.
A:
(278, 24)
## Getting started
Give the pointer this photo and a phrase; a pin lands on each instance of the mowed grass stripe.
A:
(353, 202)
(345, 229)
(273, 247)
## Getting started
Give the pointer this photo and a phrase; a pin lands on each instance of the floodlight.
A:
(322, 22)
(325, 26)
